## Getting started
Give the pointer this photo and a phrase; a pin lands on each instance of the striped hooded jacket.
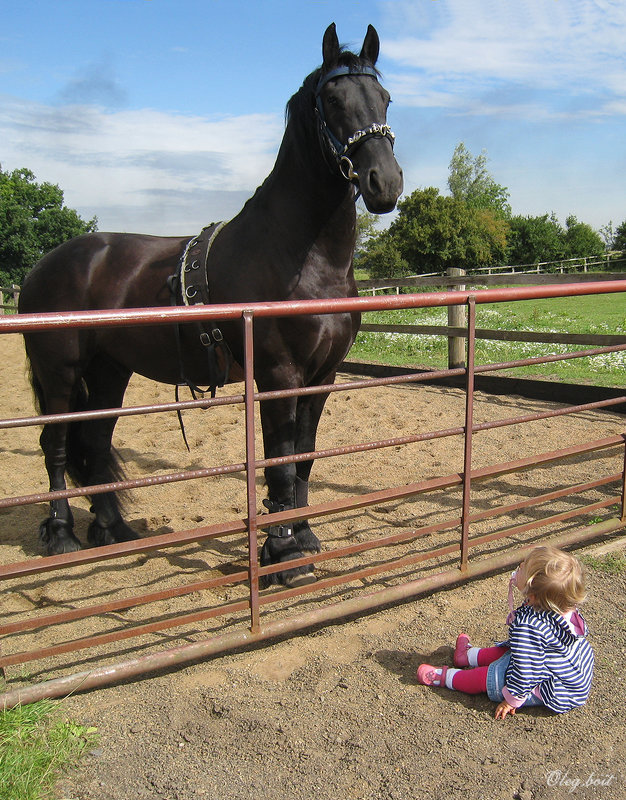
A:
(545, 653)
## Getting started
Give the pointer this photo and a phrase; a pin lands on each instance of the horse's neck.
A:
(314, 208)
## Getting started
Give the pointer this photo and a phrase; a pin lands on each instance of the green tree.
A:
(581, 239)
(433, 232)
(470, 180)
(619, 240)
(381, 258)
(535, 239)
(608, 235)
(33, 220)
(365, 228)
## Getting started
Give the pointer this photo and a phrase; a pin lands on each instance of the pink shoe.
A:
(460, 651)
(430, 676)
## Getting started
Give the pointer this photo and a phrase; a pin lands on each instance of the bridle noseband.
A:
(342, 152)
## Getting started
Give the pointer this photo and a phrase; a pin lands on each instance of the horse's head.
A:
(352, 111)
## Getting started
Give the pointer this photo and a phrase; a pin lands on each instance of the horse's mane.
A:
(301, 124)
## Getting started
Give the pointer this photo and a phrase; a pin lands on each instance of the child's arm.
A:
(527, 667)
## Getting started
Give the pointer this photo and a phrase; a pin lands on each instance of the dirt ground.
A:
(334, 712)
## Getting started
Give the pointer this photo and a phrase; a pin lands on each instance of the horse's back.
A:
(98, 270)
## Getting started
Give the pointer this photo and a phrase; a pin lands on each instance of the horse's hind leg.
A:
(56, 532)
(106, 383)
(55, 390)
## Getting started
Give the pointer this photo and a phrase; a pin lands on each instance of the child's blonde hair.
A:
(554, 578)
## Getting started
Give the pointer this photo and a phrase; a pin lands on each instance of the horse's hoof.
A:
(282, 550)
(302, 579)
(291, 578)
(56, 534)
(308, 543)
(99, 535)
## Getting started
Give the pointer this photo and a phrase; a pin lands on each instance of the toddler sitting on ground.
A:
(546, 660)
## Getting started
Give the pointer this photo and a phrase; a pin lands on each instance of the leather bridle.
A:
(342, 152)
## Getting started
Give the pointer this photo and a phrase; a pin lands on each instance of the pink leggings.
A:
(474, 681)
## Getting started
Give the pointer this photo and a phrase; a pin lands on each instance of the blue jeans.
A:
(496, 680)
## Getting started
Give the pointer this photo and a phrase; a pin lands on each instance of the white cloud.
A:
(133, 166)
(570, 46)
(409, 89)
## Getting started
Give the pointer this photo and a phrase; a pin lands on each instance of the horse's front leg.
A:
(278, 420)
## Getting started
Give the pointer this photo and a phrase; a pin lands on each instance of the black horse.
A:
(294, 239)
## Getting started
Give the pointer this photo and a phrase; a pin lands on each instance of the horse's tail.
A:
(38, 395)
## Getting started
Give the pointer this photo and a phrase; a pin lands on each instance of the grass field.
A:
(36, 746)
(597, 314)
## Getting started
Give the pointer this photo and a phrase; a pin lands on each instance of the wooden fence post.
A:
(456, 319)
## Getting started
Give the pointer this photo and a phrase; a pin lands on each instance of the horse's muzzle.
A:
(380, 188)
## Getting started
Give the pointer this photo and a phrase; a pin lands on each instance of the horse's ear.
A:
(330, 46)
(371, 45)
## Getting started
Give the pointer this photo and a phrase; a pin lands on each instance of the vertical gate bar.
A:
(623, 517)
(253, 564)
(469, 424)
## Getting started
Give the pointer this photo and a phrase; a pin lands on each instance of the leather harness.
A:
(189, 286)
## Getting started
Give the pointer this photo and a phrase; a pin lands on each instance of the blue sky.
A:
(161, 115)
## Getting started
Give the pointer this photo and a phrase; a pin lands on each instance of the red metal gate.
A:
(252, 615)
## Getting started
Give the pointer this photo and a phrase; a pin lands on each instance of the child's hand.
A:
(503, 709)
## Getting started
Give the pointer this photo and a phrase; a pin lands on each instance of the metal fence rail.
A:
(247, 608)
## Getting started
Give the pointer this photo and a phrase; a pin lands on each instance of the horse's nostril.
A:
(374, 181)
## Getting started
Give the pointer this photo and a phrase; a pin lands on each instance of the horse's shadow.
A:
(19, 526)
(147, 461)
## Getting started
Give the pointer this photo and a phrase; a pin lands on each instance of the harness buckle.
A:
(280, 531)
(283, 530)
(214, 337)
